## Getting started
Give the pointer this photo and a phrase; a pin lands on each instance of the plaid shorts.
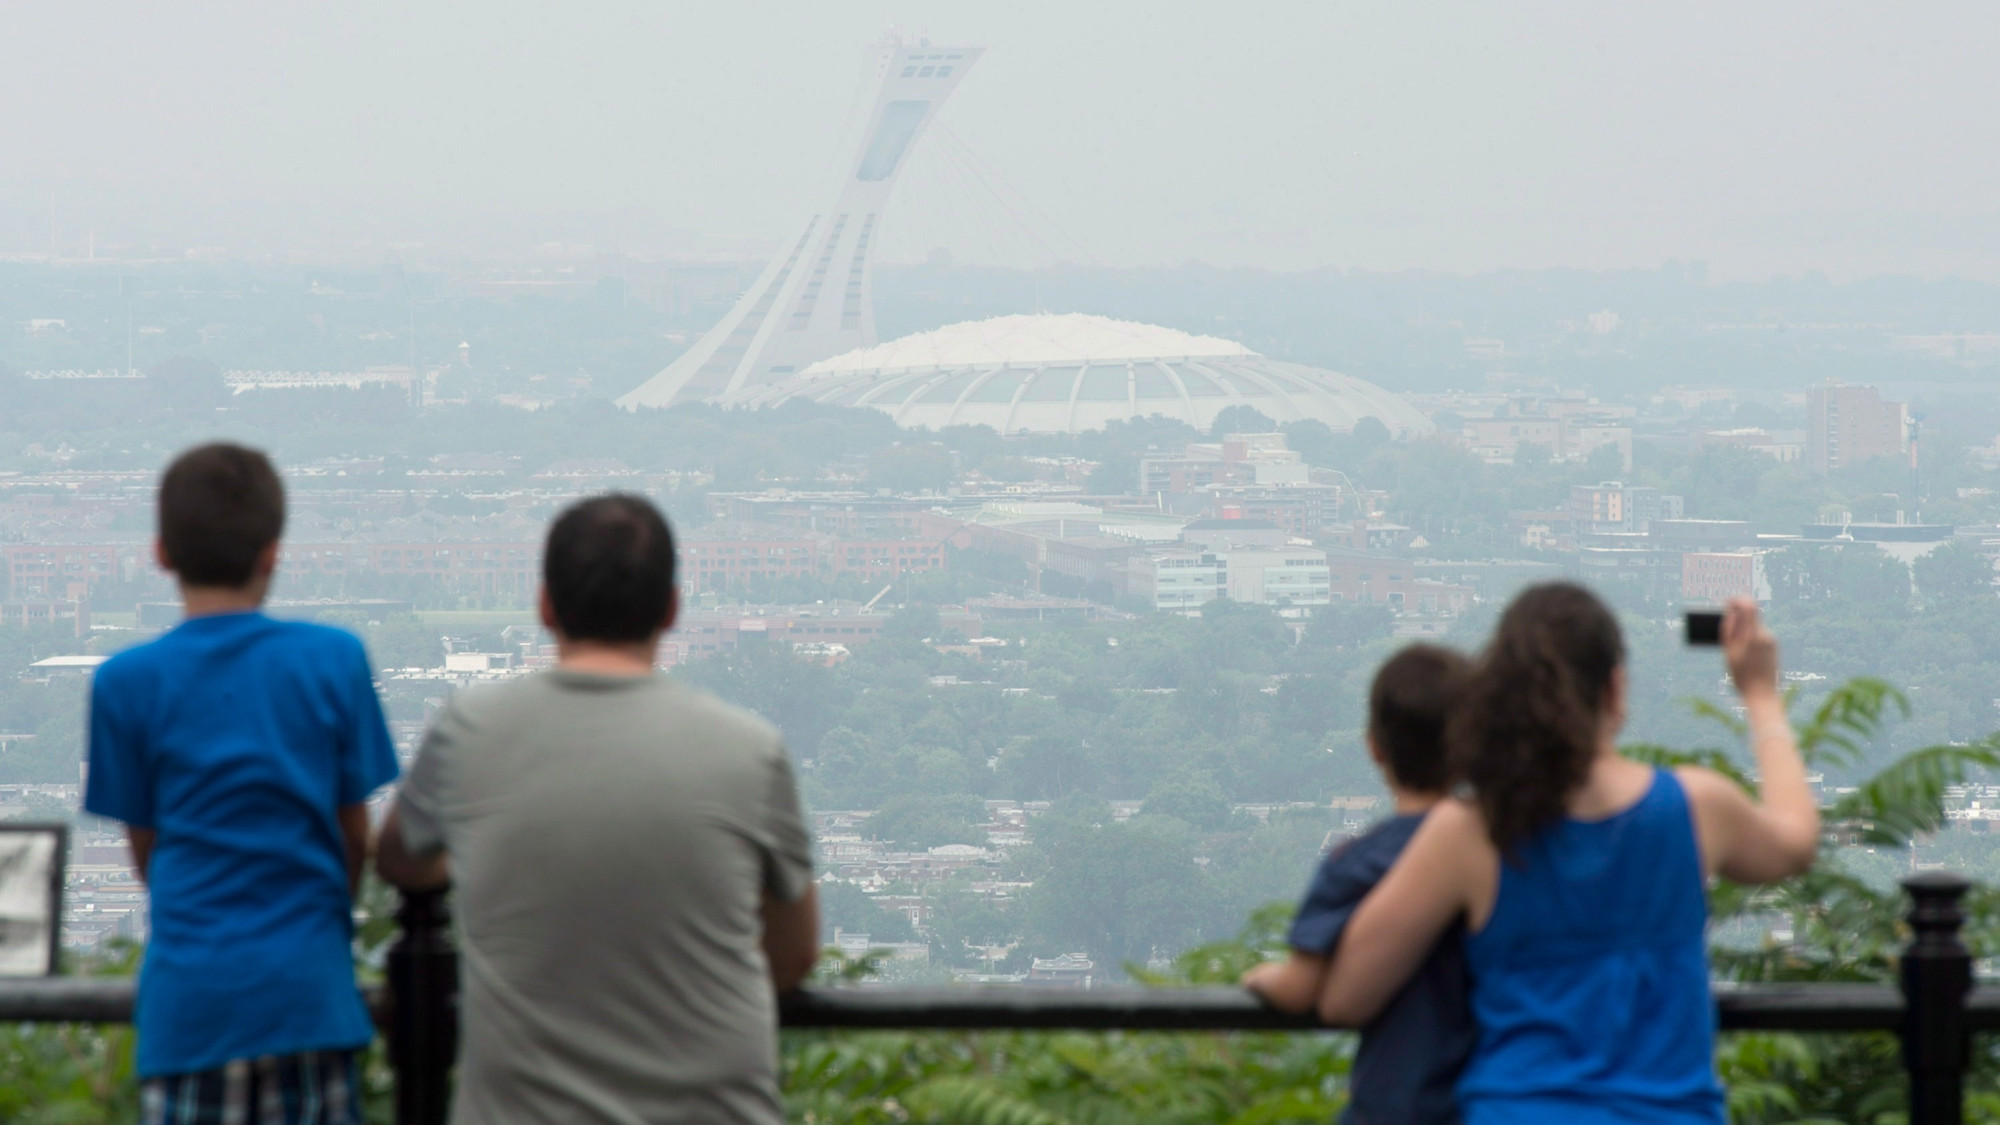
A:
(309, 1088)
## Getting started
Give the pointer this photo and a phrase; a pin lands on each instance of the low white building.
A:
(1277, 576)
(1178, 581)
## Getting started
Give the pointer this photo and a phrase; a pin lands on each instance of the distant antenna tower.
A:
(816, 297)
(1916, 423)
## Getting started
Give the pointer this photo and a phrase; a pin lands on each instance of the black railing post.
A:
(1937, 976)
(423, 1013)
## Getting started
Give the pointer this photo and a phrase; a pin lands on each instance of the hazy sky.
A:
(1760, 137)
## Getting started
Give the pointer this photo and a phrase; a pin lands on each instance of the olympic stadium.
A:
(806, 328)
(1070, 373)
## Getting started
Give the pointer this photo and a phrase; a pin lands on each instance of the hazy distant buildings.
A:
(1236, 459)
(1564, 426)
(1783, 446)
(1713, 577)
(1284, 576)
(1246, 477)
(1614, 506)
(43, 571)
(1178, 580)
(724, 556)
(72, 613)
(1374, 578)
(1654, 558)
(1846, 426)
(406, 380)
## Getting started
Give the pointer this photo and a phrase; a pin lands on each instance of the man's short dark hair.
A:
(1413, 694)
(609, 568)
(220, 506)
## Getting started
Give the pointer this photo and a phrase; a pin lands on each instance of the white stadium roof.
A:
(1069, 373)
(1072, 338)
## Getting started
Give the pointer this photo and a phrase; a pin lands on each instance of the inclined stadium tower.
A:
(806, 328)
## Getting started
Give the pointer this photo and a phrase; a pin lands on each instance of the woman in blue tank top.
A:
(1581, 876)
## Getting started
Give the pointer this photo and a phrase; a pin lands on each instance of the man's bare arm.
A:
(398, 867)
(791, 938)
(141, 840)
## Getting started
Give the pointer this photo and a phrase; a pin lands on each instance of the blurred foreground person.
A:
(240, 751)
(631, 869)
(1581, 876)
(1406, 1070)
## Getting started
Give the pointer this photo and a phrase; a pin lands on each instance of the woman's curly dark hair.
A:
(1526, 729)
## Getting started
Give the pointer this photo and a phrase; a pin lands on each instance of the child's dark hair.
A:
(1413, 693)
(1526, 728)
(609, 568)
(220, 506)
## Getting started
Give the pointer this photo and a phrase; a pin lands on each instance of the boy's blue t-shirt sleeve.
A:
(120, 785)
(1344, 878)
(368, 755)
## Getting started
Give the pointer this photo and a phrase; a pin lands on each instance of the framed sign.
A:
(32, 860)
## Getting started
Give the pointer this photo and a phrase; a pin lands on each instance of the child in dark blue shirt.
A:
(1407, 1067)
(239, 752)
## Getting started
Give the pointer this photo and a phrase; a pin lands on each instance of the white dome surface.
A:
(1071, 373)
(1068, 338)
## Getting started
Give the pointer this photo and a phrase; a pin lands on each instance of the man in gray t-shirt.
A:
(631, 869)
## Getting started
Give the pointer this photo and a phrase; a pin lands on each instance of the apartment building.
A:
(493, 567)
(858, 515)
(45, 571)
(1178, 581)
(1613, 506)
(1282, 576)
(1846, 426)
(1370, 578)
(717, 556)
(1713, 577)
(1300, 509)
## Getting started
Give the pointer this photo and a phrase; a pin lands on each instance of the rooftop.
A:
(1065, 338)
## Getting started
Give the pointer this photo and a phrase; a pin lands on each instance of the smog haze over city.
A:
(1062, 410)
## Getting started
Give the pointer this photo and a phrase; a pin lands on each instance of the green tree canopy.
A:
(1193, 798)
(1957, 571)
(916, 822)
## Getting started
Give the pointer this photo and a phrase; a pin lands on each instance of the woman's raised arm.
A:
(1776, 835)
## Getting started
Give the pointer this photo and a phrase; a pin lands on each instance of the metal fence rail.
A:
(1934, 1011)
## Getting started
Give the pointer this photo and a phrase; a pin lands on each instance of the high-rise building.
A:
(1848, 425)
(1614, 506)
(814, 299)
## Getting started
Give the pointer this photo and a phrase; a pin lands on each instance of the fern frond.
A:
(1703, 709)
(1296, 1104)
(1906, 798)
(1848, 719)
(956, 1100)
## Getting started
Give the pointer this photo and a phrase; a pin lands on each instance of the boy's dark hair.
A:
(220, 506)
(1412, 696)
(609, 568)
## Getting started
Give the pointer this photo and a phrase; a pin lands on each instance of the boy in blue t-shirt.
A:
(1406, 1070)
(239, 752)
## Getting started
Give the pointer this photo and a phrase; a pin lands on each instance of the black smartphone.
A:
(1704, 627)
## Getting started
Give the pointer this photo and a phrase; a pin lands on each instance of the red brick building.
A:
(465, 567)
(42, 571)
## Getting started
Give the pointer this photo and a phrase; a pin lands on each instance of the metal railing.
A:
(1934, 1011)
